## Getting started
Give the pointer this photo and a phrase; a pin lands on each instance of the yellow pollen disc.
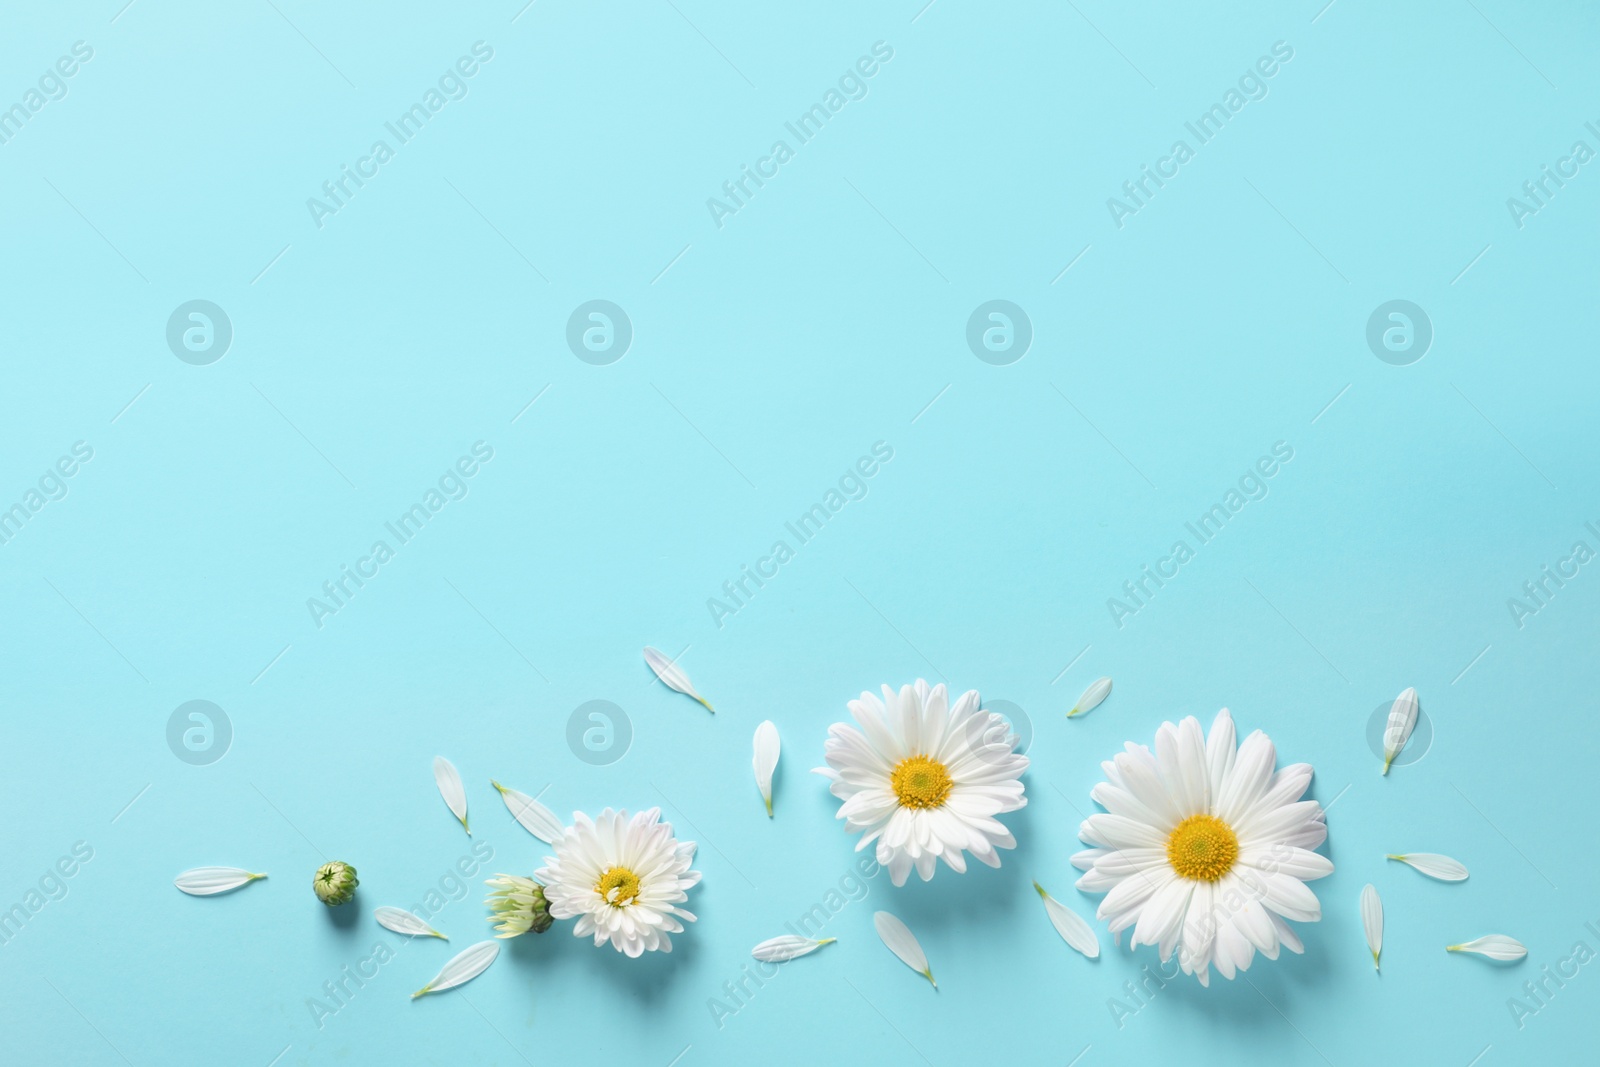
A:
(920, 782)
(624, 881)
(1202, 848)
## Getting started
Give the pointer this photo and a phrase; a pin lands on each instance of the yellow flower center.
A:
(920, 782)
(1202, 848)
(624, 881)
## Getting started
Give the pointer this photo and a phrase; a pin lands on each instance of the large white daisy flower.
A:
(1204, 849)
(621, 878)
(924, 779)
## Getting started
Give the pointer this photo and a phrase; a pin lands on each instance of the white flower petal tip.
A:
(673, 677)
(1372, 922)
(899, 940)
(788, 947)
(766, 760)
(1496, 947)
(1397, 731)
(209, 881)
(404, 922)
(455, 796)
(1433, 865)
(1070, 925)
(462, 968)
(1092, 698)
(531, 815)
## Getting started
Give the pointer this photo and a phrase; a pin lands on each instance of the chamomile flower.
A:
(1203, 849)
(622, 878)
(925, 779)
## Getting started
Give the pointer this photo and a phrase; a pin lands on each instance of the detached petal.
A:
(1434, 865)
(1402, 720)
(1494, 946)
(1072, 927)
(1372, 922)
(1092, 697)
(448, 779)
(209, 881)
(766, 760)
(672, 675)
(788, 947)
(899, 940)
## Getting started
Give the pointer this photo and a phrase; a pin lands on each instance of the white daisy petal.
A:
(209, 881)
(1397, 731)
(462, 968)
(672, 675)
(1434, 865)
(1070, 925)
(404, 922)
(1221, 746)
(766, 760)
(1092, 697)
(449, 782)
(1372, 922)
(899, 940)
(788, 947)
(1494, 946)
(533, 816)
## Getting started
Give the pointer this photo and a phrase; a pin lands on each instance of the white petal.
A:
(404, 922)
(1402, 720)
(1070, 925)
(455, 797)
(1098, 690)
(670, 673)
(462, 968)
(788, 947)
(766, 760)
(899, 940)
(1220, 751)
(535, 818)
(209, 881)
(1372, 922)
(1434, 865)
(1494, 946)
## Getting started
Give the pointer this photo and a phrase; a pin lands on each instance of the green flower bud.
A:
(518, 905)
(335, 883)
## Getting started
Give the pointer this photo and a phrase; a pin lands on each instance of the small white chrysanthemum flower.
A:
(925, 779)
(621, 878)
(1204, 849)
(518, 905)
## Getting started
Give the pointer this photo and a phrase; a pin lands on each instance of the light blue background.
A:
(768, 355)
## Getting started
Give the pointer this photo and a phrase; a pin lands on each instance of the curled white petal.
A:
(1494, 946)
(1434, 865)
(1092, 697)
(1397, 731)
(209, 881)
(766, 760)
(1372, 922)
(404, 922)
(899, 940)
(788, 947)
(455, 796)
(533, 816)
(672, 675)
(462, 968)
(1072, 927)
